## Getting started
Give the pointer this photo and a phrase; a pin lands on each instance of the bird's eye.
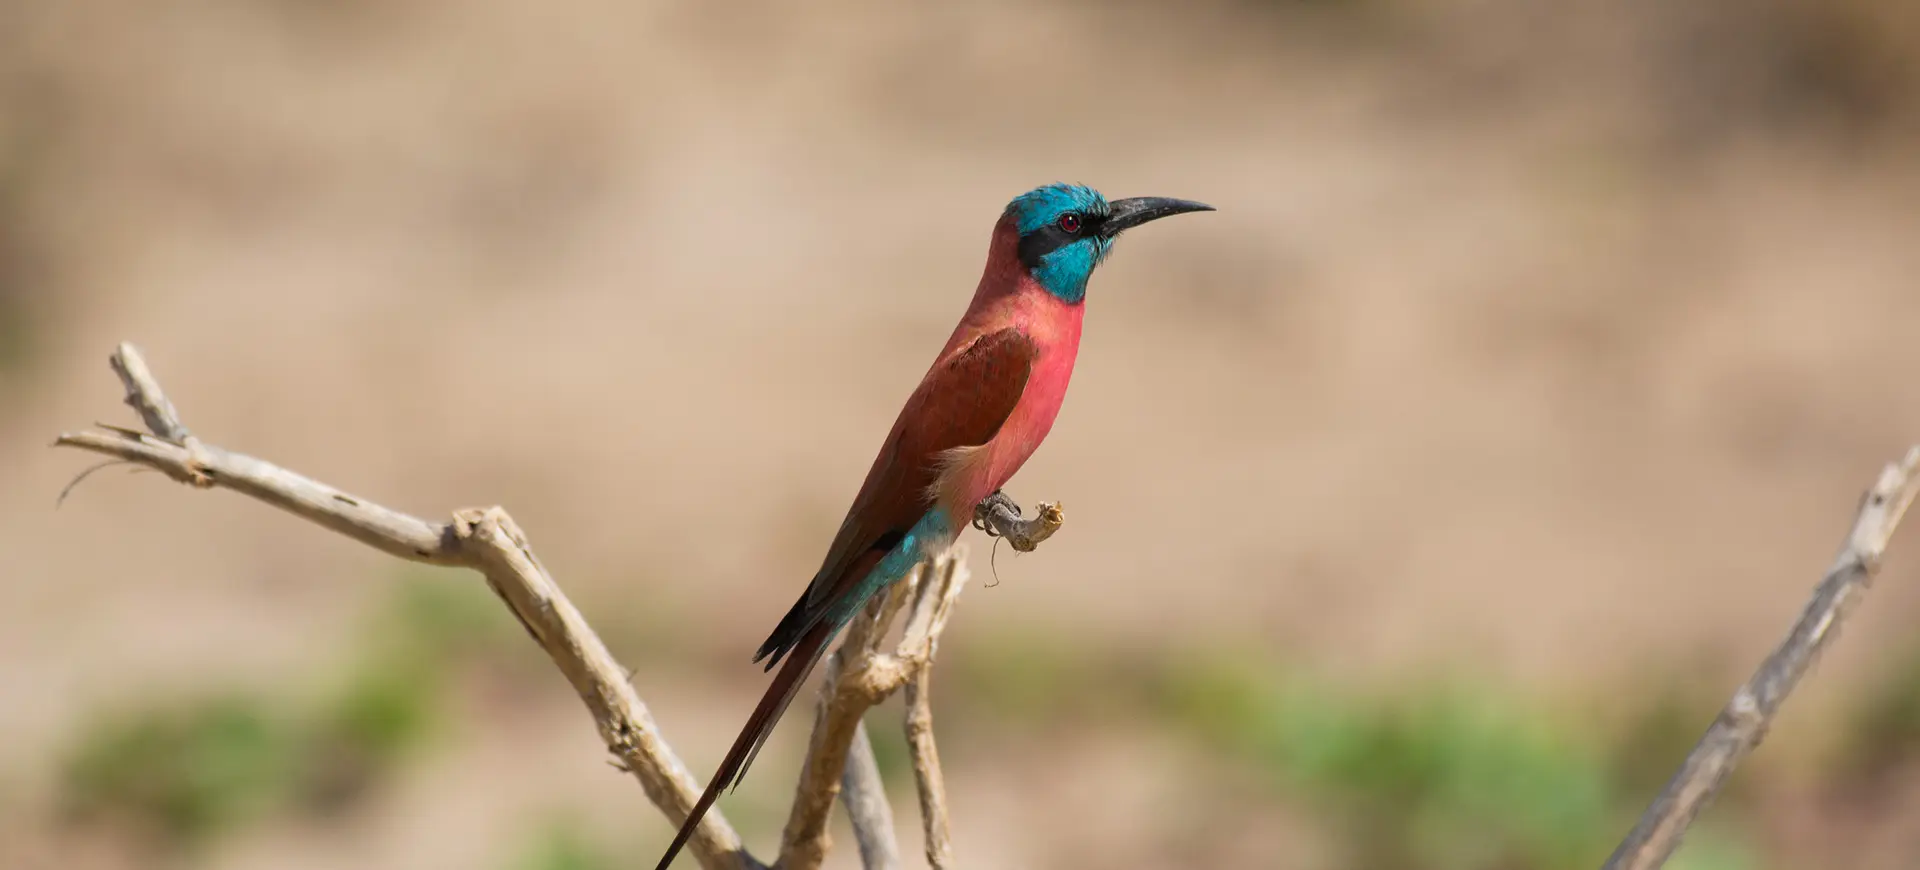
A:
(1069, 223)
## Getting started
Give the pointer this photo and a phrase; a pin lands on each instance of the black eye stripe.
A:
(1051, 237)
(1042, 242)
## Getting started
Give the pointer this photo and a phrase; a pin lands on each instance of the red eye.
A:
(1069, 223)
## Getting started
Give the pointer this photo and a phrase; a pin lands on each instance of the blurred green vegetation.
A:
(890, 744)
(1435, 773)
(182, 771)
(1882, 728)
(443, 619)
(564, 845)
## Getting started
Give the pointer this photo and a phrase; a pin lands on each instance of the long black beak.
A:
(1125, 214)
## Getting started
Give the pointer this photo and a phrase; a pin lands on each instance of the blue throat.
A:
(1065, 272)
(1059, 258)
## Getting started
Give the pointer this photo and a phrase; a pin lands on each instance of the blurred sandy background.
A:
(1423, 503)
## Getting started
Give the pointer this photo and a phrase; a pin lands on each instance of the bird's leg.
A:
(1001, 517)
(983, 512)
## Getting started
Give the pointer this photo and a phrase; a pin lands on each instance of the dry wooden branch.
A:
(867, 805)
(861, 674)
(1744, 722)
(932, 783)
(484, 539)
(488, 541)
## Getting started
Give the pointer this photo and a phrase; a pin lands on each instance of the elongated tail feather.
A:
(804, 655)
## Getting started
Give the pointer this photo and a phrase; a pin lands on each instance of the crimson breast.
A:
(974, 473)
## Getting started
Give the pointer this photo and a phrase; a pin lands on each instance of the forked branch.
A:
(488, 541)
(860, 674)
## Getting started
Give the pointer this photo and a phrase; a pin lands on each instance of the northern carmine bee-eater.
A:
(977, 415)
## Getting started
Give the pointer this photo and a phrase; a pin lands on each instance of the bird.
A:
(978, 414)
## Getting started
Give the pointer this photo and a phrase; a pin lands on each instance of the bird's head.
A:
(1067, 229)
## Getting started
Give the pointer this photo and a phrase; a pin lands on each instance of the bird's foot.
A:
(983, 512)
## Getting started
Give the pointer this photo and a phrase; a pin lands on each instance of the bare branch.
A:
(1744, 722)
(865, 797)
(391, 531)
(860, 675)
(846, 694)
(145, 396)
(920, 640)
(931, 782)
(486, 540)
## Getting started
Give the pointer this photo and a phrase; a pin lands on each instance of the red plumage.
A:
(980, 411)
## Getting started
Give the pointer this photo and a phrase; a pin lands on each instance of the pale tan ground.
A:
(1502, 352)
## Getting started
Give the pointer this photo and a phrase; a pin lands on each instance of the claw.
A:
(984, 510)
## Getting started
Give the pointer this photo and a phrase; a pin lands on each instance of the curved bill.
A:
(1125, 214)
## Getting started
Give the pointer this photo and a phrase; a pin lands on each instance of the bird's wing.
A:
(962, 402)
